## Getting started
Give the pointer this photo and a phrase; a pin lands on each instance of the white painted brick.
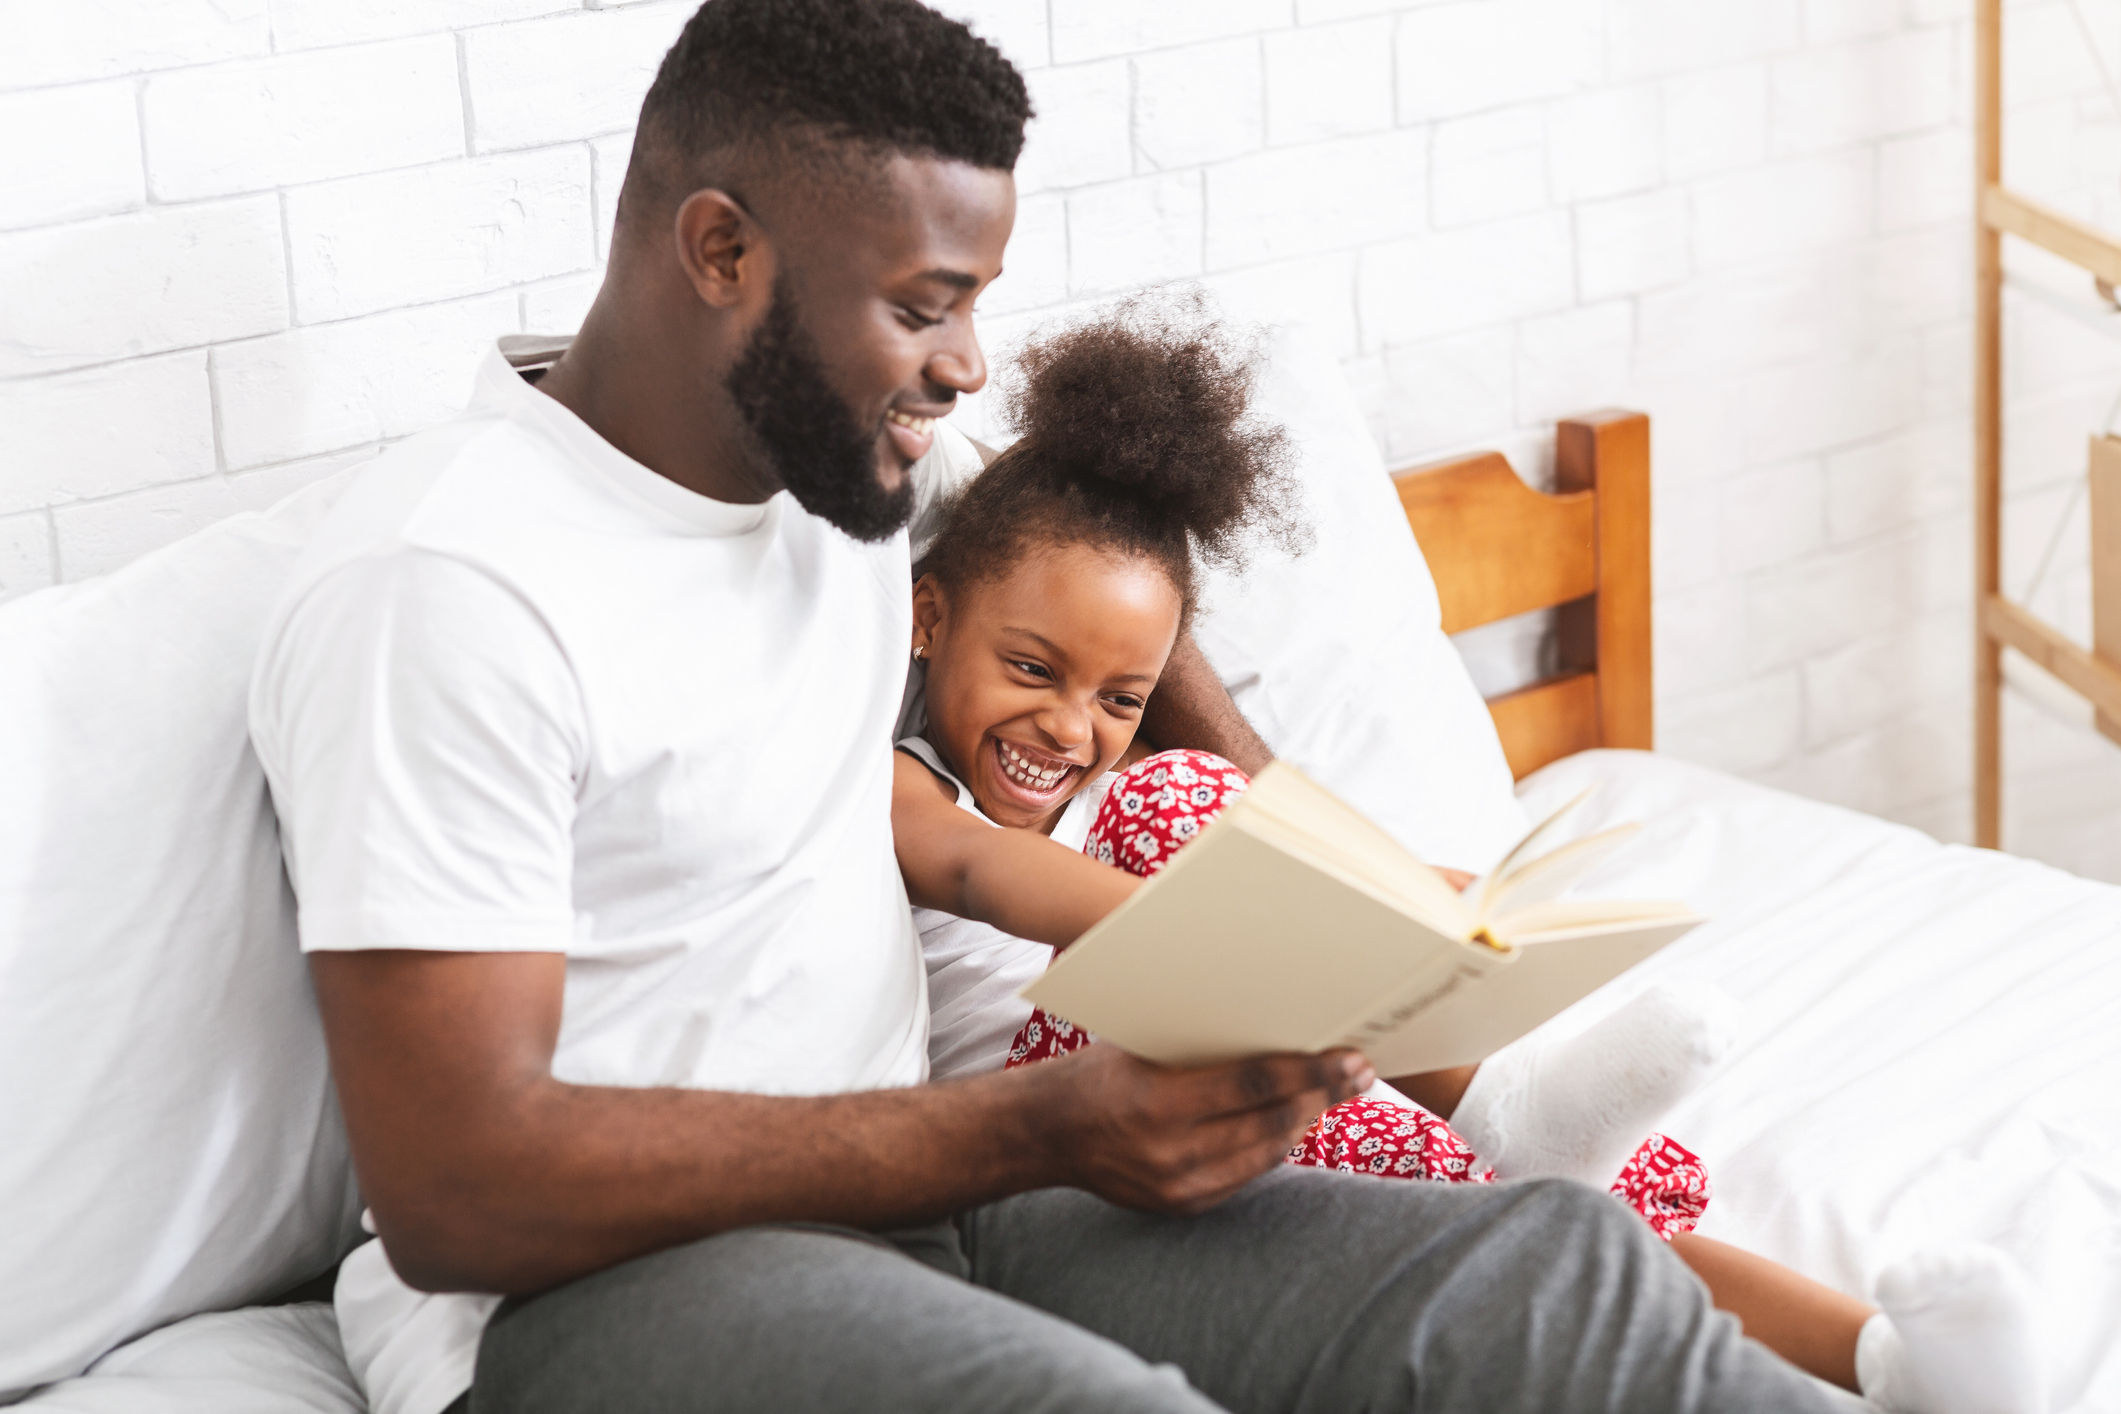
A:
(608, 159)
(1715, 121)
(1871, 773)
(1866, 684)
(1698, 639)
(1463, 279)
(1314, 12)
(1947, 361)
(1727, 323)
(369, 243)
(1685, 529)
(1900, 282)
(1315, 291)
(1649, 37)
(312, 24)
(559, 306)
(1487, 167)
(1449, 393)
(1097, 29)
(99, 536)
(1035, 267)
(1632, 244)
(2045, 54)
(1746, 727)
(1138, 232)
(1784, 209)
(1824, 98)
(359, 382)
(1772, 516)
(124, 286)
(1330, 81)
(1697, 424)
(1606, 142)
(1325, 196)
(1830, 401)
(1888, 485)
(106, 430)
(1573, 362)
(1083, 129)
(1016, 27)
(1830, 21)
(1199, 104)
(302, 118)
(1473, 55)
(83, 160)
(25, 554)
(96, 39)
(569, 77)
(1801, 610)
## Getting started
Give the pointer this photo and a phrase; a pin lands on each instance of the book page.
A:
(1239, 947)
(1546, 878)
(1484, 900)
(1310, 821)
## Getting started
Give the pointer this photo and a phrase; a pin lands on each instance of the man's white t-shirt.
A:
(527, 695)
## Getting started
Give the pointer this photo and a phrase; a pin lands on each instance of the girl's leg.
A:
(1813, 1327)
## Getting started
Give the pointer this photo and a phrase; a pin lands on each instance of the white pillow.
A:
(1337, 655)
(171, 1140)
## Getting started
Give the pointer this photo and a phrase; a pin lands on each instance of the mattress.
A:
(1930, 1039)
(1930, 1049)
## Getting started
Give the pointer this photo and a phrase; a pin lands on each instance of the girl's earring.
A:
(918, 649)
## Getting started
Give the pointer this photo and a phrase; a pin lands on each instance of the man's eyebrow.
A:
(956, 279)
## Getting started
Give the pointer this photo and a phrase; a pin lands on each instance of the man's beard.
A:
(815, 444)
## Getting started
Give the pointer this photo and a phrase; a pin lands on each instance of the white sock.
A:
(1578, 1108)
(1956, 1337)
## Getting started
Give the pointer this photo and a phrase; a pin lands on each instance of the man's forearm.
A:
(485, 1173)
(1190, 709)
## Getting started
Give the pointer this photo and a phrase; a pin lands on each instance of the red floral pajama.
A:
(1152, 811)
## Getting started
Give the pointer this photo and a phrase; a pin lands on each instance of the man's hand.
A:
(1171, 1140)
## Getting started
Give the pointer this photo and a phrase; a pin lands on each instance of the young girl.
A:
(1043, 615)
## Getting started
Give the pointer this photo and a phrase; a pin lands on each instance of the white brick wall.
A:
(255, 239)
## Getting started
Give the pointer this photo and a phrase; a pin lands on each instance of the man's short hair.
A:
(889, 76)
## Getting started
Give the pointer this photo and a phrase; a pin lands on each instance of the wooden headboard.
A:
(1498, 548)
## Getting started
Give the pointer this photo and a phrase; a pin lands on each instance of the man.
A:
(579, 732)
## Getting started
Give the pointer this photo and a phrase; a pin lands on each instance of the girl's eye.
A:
(1127, 704)
(1025, 666)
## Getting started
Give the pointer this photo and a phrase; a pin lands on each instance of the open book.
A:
(1294, 924)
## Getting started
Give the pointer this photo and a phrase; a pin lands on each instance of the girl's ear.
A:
(929, 609)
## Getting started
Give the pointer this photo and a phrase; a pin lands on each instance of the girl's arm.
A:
(1016, 880)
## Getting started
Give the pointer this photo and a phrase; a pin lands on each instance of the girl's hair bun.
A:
(1137, 437)
(1151, 402)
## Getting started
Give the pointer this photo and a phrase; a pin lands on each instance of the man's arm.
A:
(484, 1173)
(1190, 709)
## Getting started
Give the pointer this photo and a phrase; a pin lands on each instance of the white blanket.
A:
(1930, 1040)
(1931, 1049)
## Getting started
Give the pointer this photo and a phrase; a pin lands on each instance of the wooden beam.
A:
(1988, 425)
(1547, 721)
(2066, 236)
(2084, 673)
(1609, 453)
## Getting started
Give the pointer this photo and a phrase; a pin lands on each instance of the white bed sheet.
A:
(1930, 1049)
(1930, 1039)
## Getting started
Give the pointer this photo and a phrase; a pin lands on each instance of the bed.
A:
(1931, 1035)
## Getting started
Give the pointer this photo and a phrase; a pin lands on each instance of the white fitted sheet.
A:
(1930, 1049)
(1930, 1040)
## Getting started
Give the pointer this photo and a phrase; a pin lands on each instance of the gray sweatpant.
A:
(1309, 1292)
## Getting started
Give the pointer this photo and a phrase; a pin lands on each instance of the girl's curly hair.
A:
(1136, 437)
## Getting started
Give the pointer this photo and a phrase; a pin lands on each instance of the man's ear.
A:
(930, 605)
(722, 250)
